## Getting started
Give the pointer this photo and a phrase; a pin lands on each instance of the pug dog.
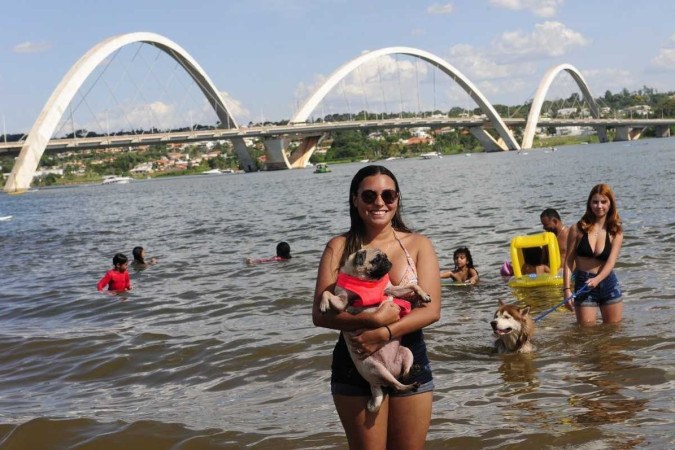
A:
(392, 361)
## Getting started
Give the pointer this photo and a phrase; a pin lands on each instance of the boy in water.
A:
(117, 278)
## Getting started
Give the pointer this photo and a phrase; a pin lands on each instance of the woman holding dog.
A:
(403, 419)
(593, 246)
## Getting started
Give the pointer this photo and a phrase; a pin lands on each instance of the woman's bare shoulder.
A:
(414, 242)
(336, 244)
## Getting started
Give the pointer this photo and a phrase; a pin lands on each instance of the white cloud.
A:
(546, 40)
(238, 111)
(437, 8)
(608, 79)
(541, 8)
(32, 47)
(493, 88)
(382, 84)
(665, 59)
(476, 64)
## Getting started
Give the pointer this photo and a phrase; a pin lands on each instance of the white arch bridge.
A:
(276, 139)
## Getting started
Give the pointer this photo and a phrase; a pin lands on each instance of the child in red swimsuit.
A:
(117, 278)
(283, 254)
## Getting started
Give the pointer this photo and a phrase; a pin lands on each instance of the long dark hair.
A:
(469, 260)
(138, 255)
(613, 221)
(357, 230)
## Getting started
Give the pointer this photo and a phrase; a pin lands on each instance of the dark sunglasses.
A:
(389, 196)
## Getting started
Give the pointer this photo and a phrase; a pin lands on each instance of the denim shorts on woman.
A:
(607, 292)
(346, 380)
(361, 391)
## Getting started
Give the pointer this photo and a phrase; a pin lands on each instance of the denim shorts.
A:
(607, 292)
(346, 380)
(361, 391)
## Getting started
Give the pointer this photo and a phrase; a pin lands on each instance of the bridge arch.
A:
(43, 128)
(540, 96)
(313, 101)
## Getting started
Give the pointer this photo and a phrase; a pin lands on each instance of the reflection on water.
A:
(207, 352)
(603, 364)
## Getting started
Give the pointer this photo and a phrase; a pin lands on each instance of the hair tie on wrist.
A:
(389, 330)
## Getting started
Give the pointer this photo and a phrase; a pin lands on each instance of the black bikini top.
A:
(584, 248)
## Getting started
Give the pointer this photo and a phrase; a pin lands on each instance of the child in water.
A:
(139, 258)
(534, 261)
(117, 278)
(464, 271)
(283, 254)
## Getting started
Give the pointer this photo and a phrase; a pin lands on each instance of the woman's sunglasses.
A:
(389, 196)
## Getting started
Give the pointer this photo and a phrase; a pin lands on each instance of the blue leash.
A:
(580, 291)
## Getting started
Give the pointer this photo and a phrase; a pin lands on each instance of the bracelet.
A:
(389, 330)
(567, 289)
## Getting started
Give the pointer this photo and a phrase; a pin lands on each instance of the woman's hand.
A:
(367, 342)
(592, 283)
(569, 303)
(387, 313)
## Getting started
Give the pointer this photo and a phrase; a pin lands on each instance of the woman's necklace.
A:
(596, 230)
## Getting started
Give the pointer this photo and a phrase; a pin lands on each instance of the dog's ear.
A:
(525, 311)
(501, 302)
(360, 258)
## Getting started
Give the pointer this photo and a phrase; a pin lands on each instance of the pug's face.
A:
(367, 264)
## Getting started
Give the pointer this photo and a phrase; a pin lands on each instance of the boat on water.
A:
(431, 155)
(5, 218)
(321, 168)
(114, 179)
(217, 171)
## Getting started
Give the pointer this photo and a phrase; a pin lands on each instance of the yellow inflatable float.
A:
(549, 244)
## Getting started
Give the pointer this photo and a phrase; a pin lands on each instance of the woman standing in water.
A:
(593, 247)
(403, 419)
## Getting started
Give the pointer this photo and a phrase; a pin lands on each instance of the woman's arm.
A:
(325, 280)
(608, 266)
(570, 257)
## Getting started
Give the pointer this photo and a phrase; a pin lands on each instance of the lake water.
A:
(209, 353)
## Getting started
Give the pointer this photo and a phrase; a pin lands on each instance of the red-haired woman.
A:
(593, 246)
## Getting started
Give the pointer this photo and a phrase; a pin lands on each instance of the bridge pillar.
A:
(243, 155)
(276, 158)
(487, 141)
(662, 131)
(601, 131)
(622, 134)
(301, 155)
(635, 133)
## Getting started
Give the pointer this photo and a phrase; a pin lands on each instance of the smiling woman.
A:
(376, 222)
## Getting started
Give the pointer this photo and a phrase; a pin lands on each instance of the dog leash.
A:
(580, 291)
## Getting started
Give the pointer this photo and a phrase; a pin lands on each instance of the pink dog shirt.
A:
(371, 293)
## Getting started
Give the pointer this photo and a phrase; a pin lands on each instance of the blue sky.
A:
(266, 56)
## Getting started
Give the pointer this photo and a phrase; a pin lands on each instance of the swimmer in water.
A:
(283, 254)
